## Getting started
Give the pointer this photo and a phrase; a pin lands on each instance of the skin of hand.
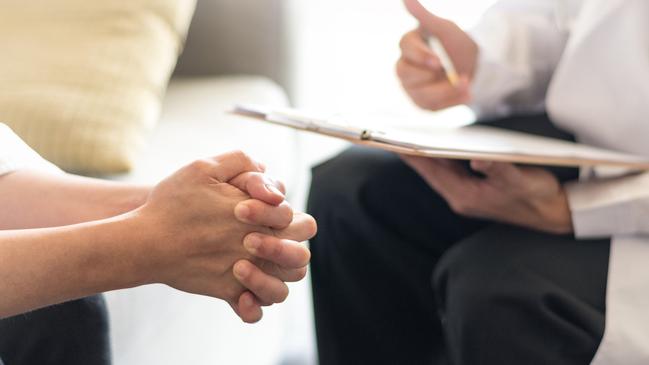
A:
(192, 213)
(521, 196)
(197, 219)
(74, 199)
(280, 255)
(419, 68)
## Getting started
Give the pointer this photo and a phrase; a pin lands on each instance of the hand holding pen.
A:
(438, 61)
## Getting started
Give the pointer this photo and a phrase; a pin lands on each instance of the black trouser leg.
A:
(512, 296)
(381, 231)
(73, 333)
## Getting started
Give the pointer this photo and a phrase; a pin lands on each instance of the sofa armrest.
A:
(239, 37)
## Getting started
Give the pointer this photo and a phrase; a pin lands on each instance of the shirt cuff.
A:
(609, 207)
(490, 81)
(16, 155)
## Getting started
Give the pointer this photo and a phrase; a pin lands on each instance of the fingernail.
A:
(274, 189)
(242, 211)
(241, 270)
(252, 243)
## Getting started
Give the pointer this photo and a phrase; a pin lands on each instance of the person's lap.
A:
(72, 333)
(509, 295)
(383, 232)
(374, 236)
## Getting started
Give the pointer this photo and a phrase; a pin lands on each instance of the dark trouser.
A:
(74, 333)
(499, 294)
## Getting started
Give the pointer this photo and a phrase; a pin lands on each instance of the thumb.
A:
(429, 22)
(229, 165)
(261, 187)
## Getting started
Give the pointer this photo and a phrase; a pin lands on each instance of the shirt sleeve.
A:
(610, 207)
(17, 155)
(521, 43)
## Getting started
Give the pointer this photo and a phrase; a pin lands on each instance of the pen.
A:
(447, 64)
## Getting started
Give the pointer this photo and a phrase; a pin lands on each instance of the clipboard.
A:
(473, 142)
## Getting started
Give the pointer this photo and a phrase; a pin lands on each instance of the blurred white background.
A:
(346, 49)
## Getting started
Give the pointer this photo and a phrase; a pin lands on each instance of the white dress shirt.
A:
(16, 155)
(585, 62)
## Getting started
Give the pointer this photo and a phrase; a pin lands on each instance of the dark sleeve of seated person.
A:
(71, 333)
(399, 278)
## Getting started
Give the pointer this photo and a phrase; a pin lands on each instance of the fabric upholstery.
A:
(82, 81)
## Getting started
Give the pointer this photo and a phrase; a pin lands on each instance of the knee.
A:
(480, 281)
(467, 286)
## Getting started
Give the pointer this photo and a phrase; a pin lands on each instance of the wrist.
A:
(124, 249)
(140, 248)
(131, 198)
(556, 214)
(107, 254)
(152, 260)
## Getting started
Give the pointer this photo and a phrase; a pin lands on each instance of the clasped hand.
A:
(222, 229)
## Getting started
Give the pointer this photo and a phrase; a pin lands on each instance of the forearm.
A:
(48, 266)
(36, 200)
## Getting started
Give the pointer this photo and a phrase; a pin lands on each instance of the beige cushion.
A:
(81, 81)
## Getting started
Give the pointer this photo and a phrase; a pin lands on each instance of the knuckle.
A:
(408, 39)
(423, 101)
(201, 165)
(232, 293)
(242, 157)
(432, 103)
(403, 43)
(307, 257)
(276, 249)
(252, 280)
(257, 178)
(286, 214)
(420, 102)
(280, 185)
(401, 69)
(282, 294)
(312, 226)
(304, 228)
(249, 178)
(300, 274)
(459, 206)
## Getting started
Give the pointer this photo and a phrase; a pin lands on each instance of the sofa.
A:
(236, 51)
